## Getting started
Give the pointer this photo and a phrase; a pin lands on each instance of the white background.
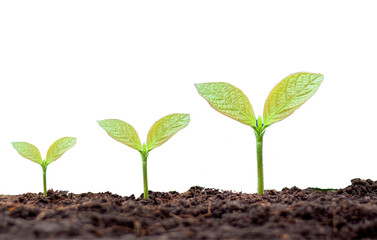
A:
(66, 64)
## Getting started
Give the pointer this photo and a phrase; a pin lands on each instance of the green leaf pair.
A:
(284, 99)
(56, 150)
(159, 133)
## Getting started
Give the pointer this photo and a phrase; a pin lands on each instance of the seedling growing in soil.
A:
(159, 133)
(56, 150)
(284, 99)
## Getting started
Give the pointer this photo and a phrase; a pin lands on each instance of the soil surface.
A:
(199, 213)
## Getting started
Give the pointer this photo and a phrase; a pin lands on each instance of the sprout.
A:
(159, 133)
(284, 99)
(56, 150)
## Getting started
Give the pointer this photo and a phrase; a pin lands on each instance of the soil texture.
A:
(199, 213)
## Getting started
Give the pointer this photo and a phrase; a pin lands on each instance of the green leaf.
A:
(260, 122)
(122, 132)
(290, 94)
(28, 151)
(228, 100)
(58, 148)
(165, 128)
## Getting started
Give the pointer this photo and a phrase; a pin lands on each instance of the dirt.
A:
(199, 213)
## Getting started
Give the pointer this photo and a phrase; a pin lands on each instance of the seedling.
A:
(159, 133)
(284, 99)
(56, 150)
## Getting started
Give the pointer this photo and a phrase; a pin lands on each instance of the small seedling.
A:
(284, 99)
(56, 150)
(159, 133)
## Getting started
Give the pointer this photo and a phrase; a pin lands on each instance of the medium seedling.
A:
(56, 150)
(284, 99)
(159, 133)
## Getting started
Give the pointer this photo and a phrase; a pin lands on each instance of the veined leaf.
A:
(290, 94)
(228, 100)
(28, 151)
(122, 132)
(58, 148)
(165, 128)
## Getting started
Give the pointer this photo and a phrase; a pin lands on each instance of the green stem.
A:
(44, 168)
(145, 176)
(260, 163)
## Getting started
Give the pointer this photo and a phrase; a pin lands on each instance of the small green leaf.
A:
(58, 148)
(165, 128)
(290, 94)
(260, 122)
(228, 100)
(28, 151)
(122, 132)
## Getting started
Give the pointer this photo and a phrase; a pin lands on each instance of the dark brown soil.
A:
(349, 213)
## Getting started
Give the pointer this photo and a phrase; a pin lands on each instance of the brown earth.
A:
(349, 213)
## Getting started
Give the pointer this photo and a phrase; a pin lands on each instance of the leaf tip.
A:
(319, 76)
(197, 85)
(102, 123)
(186, 117)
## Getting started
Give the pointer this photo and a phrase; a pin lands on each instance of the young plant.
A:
(284, 99)
(56, 150)
(159, 133)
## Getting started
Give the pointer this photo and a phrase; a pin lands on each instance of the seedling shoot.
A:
(56, 150)
(284, 99)
(159, 133)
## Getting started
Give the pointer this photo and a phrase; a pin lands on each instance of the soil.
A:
(199, 213)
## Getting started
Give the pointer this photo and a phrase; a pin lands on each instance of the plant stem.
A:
(145, 176)
(260, 163)
(44, 168)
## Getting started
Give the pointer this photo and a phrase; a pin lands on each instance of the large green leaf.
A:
(122, 132)
(290, 94)
(58, 148)
(228, 100)
(165, 128)
(28, 151)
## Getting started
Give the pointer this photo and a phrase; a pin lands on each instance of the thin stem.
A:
(44, 168)
(260, 163)
(145, 176)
